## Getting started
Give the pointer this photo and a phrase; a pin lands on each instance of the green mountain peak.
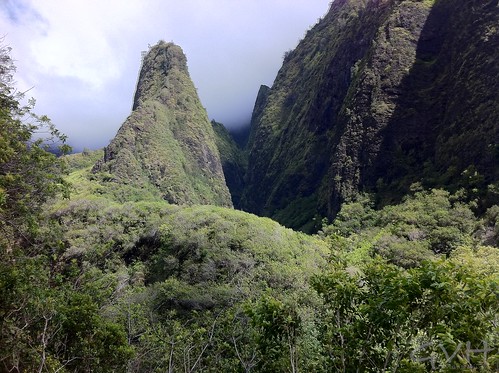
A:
(167, 143)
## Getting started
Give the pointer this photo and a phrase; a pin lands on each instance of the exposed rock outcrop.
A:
(378, 95)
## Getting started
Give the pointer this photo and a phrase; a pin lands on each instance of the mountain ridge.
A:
(369, 101)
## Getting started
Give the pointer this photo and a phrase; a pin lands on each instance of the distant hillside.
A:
(377, 96)
(167, 143)
(234, 160)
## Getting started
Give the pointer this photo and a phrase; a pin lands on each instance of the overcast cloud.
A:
(81, 57)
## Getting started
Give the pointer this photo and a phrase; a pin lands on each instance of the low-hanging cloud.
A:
(82, 56)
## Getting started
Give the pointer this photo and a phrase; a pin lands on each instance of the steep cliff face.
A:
(444, 130)
(234, 161)
(378, 95)
(167, 142)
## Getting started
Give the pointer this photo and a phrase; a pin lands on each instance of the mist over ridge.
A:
(84, 77)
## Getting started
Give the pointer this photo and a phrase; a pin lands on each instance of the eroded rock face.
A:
(377, 96)
(233, 159)
(168, 142)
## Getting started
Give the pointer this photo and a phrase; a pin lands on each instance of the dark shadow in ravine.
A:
(444, 131)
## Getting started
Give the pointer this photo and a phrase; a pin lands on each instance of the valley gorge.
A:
(352, 227)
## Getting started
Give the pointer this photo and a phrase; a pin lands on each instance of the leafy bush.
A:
(385, 317)
(425, 224)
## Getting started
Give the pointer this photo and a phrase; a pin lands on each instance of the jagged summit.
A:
(157, 75)
(167, 143)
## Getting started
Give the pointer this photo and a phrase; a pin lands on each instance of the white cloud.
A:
(83, 56)
(79, 39)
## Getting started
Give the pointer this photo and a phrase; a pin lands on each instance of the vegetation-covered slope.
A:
(234, 161)
(444, 129)
(377, 96)
(91, 284)
(241, 292)
(167, 143)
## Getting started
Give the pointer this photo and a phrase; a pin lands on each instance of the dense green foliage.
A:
(87, 183)
(426, 224)
(185, 277)
(49, 313)
(51, 318)
(440, 314)
(117, 278)
(29, 174)
(425, 318)
(154, 287)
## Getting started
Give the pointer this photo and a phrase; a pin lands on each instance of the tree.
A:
(440, 316)
(47, 322)
(278, 326)
(29, 173)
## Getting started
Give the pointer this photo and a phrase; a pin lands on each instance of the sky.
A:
(80, 59)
